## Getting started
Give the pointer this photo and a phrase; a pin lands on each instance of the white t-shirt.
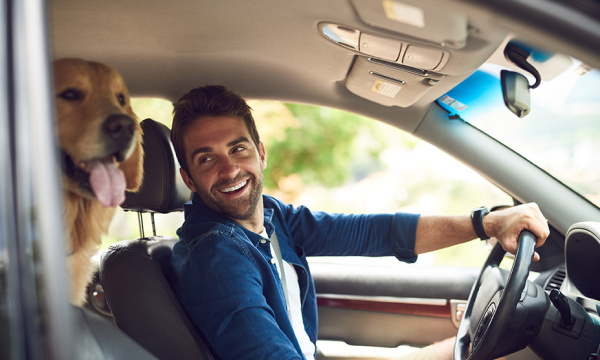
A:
(295, 311)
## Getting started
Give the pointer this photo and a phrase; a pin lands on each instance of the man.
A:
(241, 267)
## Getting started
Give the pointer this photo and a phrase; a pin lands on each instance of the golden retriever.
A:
(101, 148)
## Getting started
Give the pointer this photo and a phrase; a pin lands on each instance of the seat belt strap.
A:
(275, 243)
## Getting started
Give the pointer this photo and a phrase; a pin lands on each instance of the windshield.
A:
(561, 134)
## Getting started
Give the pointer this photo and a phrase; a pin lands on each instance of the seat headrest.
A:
(162, 189)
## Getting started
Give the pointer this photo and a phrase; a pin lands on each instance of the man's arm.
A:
(438, 232)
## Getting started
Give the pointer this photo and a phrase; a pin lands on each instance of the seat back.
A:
(135, 273)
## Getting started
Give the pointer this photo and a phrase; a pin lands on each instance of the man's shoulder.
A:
(206, 241)
(196, 230)
(273, 204)
(269, 202)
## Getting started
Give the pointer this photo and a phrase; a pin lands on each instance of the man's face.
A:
(225, 166)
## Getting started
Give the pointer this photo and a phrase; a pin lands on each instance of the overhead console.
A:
(389, 71)
(389, 84)
(385, 48)
(406, 48)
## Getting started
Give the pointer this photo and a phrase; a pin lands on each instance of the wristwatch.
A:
(477, 220)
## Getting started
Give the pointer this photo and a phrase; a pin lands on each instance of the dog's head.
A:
(98, 133)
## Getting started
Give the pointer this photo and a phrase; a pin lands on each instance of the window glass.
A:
(330, 160)
(559, 135)
(373, 168)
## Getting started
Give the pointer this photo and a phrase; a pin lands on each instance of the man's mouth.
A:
(234, 188)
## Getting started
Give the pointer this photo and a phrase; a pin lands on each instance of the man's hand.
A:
(505, 226)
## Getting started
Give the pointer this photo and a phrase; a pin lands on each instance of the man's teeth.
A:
(234, 188)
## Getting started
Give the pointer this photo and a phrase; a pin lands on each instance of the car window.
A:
(330, 160)
(559, 135)
(386, 170)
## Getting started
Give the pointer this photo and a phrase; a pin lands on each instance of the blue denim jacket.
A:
(231, 290)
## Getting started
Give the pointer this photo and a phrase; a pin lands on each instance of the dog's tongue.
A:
(108, 182)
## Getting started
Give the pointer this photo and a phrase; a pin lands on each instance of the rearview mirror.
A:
(515, 91)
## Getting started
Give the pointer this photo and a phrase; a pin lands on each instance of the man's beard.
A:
(237, 209)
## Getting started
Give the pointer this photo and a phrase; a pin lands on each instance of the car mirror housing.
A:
(515, 91)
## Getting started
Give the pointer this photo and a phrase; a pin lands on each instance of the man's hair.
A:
(212, 100)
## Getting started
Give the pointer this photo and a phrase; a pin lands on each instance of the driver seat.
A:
(135, 273)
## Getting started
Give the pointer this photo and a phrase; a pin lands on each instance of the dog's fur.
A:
(93, 108)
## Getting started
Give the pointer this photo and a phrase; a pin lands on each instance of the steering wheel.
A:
(493, 301)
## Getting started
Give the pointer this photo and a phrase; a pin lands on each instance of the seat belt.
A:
(275, 243)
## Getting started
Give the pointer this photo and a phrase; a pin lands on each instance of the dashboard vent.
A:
(556, 280)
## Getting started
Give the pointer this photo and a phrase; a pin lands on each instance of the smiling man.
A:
(240, 264)
(227, 171)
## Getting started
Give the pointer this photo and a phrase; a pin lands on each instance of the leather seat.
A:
(135, 273)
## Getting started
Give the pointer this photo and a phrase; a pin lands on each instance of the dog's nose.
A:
(119, 128)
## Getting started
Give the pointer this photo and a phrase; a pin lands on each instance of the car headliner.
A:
(262, 49)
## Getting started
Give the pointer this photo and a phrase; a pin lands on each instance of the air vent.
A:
(556, 280)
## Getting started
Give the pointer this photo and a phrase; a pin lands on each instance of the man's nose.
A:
(228, 167)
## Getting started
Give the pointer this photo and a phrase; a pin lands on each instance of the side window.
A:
(334, 161)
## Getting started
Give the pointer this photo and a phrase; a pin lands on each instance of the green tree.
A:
(323, 146)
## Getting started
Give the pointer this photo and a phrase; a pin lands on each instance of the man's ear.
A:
(263, 155)
(187, 180)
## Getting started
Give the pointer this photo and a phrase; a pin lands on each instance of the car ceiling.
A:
(262, 49)
(266, 49)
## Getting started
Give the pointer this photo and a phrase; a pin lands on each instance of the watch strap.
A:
(477, 220)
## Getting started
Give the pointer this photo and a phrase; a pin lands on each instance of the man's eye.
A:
(238, 149)
(205, 159)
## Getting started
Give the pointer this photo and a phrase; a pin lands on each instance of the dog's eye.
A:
(121, 99)
(71, 94)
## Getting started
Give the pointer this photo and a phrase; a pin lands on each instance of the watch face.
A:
(483, 211)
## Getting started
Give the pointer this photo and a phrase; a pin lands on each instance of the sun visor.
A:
(389, 84)
(420, 19)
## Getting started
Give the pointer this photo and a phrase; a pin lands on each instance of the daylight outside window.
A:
(564, 113)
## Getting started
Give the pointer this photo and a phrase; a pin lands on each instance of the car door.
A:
(387, 306)
(390, 306)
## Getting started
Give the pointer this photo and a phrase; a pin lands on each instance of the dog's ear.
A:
(133, 167)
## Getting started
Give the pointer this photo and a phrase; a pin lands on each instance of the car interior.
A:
(394, 61)
(388, 60)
